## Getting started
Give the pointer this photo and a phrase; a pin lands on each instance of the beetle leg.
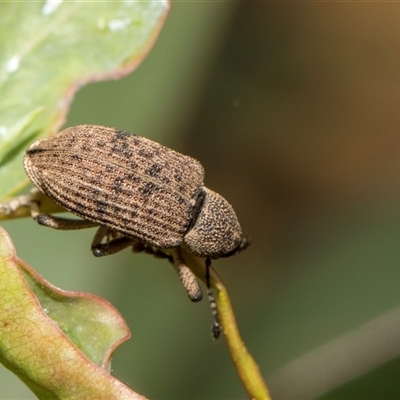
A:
(216, 327)
(58, 222)
(63, 223)
(100, 234)
(111, 246)
(187, 277)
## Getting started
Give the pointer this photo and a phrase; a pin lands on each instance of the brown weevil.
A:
(137, 192)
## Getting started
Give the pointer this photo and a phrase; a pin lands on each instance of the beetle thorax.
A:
(216, 231)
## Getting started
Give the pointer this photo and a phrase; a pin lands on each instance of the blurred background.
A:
(292, 108)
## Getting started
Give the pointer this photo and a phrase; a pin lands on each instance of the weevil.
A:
(138, 193)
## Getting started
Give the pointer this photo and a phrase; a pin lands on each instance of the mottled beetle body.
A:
(135, 187)
(139, 194)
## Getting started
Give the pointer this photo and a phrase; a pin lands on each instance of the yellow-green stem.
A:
(245, 365)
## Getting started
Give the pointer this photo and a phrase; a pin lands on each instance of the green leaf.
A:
(48, 49)
(35, 320)
(88, 321)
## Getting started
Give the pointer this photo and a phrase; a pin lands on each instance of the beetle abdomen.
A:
(125, 182)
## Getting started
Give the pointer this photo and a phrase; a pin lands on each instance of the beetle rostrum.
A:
(139, 193)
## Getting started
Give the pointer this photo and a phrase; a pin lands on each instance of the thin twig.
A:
(18, 207)
(245, 365)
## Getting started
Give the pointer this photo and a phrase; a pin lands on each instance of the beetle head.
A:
(216, 232)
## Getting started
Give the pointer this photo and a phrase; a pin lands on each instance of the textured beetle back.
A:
(123, 181)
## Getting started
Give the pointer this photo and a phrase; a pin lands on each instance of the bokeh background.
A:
(293, 109)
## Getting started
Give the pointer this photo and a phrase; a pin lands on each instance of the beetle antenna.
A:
(216, 327)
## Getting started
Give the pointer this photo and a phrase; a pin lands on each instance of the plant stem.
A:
(245, 365)
(18, 207)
